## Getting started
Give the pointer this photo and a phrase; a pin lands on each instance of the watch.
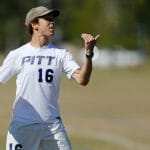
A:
(89, 54)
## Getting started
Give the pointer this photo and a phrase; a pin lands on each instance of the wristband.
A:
(89, 55)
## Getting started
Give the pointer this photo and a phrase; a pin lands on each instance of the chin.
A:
(51, 33)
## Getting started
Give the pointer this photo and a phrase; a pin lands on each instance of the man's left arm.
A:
(82, 75)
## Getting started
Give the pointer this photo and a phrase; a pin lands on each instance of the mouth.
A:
(51, 29)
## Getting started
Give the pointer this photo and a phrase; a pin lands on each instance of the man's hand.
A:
(82, 75)
(89, 41)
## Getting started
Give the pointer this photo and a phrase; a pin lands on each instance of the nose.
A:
(52, 23)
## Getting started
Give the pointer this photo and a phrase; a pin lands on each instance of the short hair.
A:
(29, 27)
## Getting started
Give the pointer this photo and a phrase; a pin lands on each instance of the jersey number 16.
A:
(45, 75)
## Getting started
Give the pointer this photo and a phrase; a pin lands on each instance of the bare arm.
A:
(82, 76)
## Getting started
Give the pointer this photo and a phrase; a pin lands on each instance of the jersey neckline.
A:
(38, 48)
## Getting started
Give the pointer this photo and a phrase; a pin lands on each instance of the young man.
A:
(36, 123)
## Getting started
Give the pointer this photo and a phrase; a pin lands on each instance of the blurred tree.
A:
(119, 22)
(78, 16)
(12, 25)
(133, 23)
(125, 23)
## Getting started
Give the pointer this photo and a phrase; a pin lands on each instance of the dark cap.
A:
(39, 12)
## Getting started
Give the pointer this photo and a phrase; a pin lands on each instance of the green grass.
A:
(79, 143)
(2, 143)
(116, 103)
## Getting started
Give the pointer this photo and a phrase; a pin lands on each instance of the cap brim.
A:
(53, 13)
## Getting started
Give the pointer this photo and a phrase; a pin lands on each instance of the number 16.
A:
(48, 75)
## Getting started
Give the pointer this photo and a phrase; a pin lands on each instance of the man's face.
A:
(46, 26)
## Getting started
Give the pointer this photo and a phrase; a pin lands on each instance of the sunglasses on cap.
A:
(48, 17)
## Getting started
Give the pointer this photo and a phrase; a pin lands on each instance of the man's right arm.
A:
(7, 68)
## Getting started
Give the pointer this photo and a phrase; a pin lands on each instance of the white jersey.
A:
(38, 73)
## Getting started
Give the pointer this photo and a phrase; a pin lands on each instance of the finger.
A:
(87, 37)
(83, 35)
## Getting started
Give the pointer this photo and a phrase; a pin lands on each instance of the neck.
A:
(39, 41)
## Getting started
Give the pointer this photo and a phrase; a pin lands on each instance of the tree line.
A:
(121, 23)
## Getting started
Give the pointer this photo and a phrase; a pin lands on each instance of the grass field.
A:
(111, 113)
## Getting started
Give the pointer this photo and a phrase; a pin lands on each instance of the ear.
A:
(34, 26)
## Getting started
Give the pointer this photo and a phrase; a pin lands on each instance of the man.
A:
(36, 123)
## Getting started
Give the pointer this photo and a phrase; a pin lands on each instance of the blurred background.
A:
(113, 111)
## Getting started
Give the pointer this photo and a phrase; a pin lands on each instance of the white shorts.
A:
(37, 136)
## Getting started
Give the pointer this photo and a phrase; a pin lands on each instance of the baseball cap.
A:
(39, 12)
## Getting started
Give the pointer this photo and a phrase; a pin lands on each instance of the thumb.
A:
(97, 36)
